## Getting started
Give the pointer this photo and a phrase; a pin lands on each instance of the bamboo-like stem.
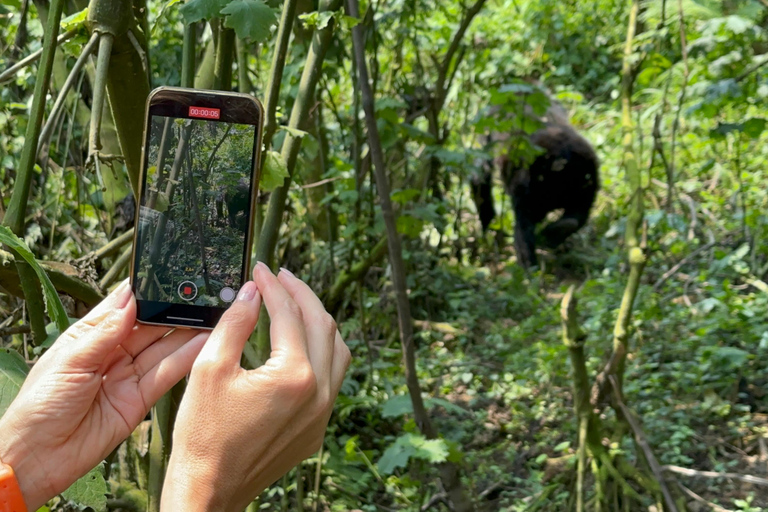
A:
(243, 82)
(110, 247)
(313, 67)
(33, 57)
(276, 69)
(188, 56)
(222, 69)
(449, 473)
(635, 254)
(17, 207)
(99, 93)
(59, 103)
(116, 269)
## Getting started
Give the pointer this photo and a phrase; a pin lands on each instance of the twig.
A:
(672, 271)
(696, 497)
(714, 474)
(109, 248)
(16, 329)
(440, 497)
(490, 489)
(643, 442)
(757, 66)
(32, 57)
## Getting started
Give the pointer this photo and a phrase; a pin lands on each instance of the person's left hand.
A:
(88, 392)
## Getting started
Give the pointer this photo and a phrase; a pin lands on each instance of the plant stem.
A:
(276, 69)
(17, 207)
(222, 69)
(312, 68)
(99, 93)
(33, 57)
(448, 471)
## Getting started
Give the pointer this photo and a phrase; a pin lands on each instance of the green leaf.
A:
(251, 19)
(295, 132)
(13, 371)
(735, 356)
(74, 20)
(754, 127)
(162, 13)
(273, 172)
(412, 446)
(317, 20)
(53, 305)
(397, 406)
(196, 10)
(89, 491)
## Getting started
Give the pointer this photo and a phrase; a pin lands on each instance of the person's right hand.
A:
(238, 431)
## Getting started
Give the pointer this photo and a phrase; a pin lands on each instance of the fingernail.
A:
(263, 266)
(248, 291)
(283, 269)
(123, 295)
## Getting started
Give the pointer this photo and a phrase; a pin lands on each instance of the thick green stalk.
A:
(276, 69)
(243, 82)
(635, 254)
(188, 56)
(312, 68)
(204, 75)
(127, 90)
(222, 69)
(99, 91)
(17, 207)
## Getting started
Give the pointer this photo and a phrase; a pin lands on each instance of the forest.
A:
(540, 225)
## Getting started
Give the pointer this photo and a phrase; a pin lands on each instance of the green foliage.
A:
(89, 491)
(273, 171)
(251, 19)
(13, 371)
(411, 446)
(53, 304)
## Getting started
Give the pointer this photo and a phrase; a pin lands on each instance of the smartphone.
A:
(194, 222)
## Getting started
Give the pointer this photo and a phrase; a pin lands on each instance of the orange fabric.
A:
(11, 499)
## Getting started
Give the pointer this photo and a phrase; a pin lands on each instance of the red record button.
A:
(187, 290)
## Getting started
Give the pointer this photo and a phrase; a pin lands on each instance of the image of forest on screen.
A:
(194, 212)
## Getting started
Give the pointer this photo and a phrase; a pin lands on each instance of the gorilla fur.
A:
(563, 175)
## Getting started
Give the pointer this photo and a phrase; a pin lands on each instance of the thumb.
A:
(94, 336)
(226, 343)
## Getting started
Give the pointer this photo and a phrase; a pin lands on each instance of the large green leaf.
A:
(53, 305)
(89, 491)
(412, 446)
(273, 172)
(196, 10)
(13, 371)
(251, 19)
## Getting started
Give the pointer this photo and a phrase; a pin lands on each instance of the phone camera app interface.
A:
(194, 212)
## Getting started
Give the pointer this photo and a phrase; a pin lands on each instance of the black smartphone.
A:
(194, 222)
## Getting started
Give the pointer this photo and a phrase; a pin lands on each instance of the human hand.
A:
(88, 392)
(237, 431)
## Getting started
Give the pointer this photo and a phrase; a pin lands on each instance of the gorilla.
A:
(237, 201)
(564, 174)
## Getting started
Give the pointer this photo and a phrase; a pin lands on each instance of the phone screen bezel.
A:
(233, 108)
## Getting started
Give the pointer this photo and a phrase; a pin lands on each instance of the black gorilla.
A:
(237, 199)
(564, 175)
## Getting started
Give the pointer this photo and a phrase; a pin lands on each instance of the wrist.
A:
(192, 488)
(15, 454)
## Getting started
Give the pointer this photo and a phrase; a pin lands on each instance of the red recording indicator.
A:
(204, 112)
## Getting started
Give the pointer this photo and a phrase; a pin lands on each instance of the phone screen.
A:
(194, 215)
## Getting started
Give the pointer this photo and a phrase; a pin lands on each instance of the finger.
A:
(89, 341)
(143, 336)
(160, 349)
(319, 325)
(287, 333)
(341, 359)
(170, 370)
(225, 345)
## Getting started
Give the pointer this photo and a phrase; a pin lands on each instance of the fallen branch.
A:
(669, 273)
(756, 480)
(696, 497)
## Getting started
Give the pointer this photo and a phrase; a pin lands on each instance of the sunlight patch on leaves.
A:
(89, 491)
